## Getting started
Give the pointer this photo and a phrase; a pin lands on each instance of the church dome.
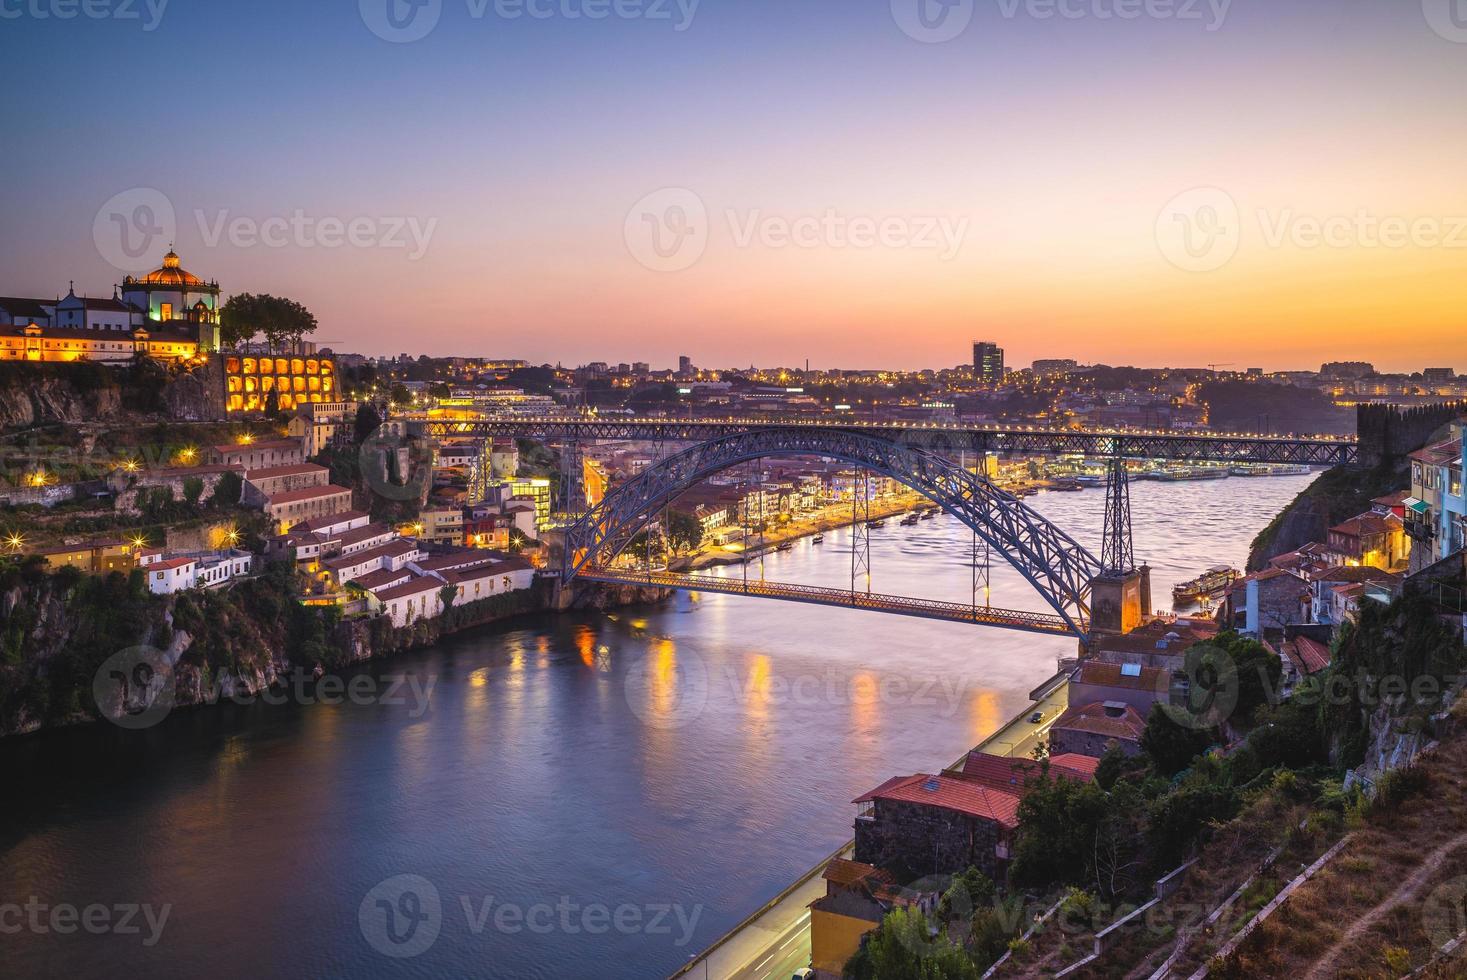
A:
(171, 274)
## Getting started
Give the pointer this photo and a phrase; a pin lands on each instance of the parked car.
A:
(1036, 717)
(804, 973)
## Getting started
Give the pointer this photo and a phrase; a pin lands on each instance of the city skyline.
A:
(1243, 186)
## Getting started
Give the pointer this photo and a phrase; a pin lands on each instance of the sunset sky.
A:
(1066, 154)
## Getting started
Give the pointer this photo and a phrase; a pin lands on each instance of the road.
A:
(775, 943)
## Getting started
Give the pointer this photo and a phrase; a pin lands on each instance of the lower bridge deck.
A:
(954, 612)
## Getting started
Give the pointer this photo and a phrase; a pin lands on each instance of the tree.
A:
(367, 422)
(902, 948)
(1171, 747)
(276, 318)
(684, 530)
(400, 394)
(228, 490)
(193, 489)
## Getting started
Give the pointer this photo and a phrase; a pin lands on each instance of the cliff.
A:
(1336, 496)
(86, 392)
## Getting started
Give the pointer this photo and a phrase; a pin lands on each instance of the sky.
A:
(859, 183)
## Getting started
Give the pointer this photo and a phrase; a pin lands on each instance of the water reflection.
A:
(702, 752)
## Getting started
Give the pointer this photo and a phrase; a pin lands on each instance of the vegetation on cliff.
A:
(1337, 495)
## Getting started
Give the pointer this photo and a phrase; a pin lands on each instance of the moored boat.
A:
(1210, 585)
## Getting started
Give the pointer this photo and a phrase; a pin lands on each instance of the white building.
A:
(172, 575)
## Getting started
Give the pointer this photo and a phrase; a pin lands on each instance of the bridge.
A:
(951, 439)
(954, 612)
(1087, 595)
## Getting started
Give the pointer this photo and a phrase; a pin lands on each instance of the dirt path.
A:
(1323, 967)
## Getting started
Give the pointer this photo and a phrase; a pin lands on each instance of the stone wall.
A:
(1388, 433)
(913, 840)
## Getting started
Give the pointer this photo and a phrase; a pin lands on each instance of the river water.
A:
(585, 795)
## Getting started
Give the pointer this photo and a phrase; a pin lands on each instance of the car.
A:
(1036, 717)
(804, 973)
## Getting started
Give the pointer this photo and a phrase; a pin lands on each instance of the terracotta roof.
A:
(418, 585)
(1111, 675)
(1010, 774)
(357, 535)
(1081, 764)
(1367, 524)
(171, 563)
(1397, 499)
(950, 793)
(1125, 723)
(1354, 573)
(1312, 655)
(1439, 454)
(383, 578)
(849, 874)
(306, 493)
(392, 549)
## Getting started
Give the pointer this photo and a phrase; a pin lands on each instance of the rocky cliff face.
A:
(49, 400)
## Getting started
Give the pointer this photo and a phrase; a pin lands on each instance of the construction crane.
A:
(1213, 367)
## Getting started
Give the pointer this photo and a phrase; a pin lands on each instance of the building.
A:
(262, 484)
(323, 425)
(93, 558)
(927, 824)
(1376, 540)
(1055, 366)
(293, 506)
(168, 314)
(417, 598)
(261, 382)
(535, 490)
(988, 362)
(857, 898)
(171, 575)
(441, 525)
(1436, 510)
(685, 365)
(257, 455)
(1140, 687)
(1094, 729)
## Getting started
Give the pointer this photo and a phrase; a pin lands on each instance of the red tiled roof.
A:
(1081, 764)
(1439, 454)
(392, 549)
(171, 563)
(849, 874)
(1313, 656)
(1094, 719)
(1110, 675)
(1010, 774)
(330, 520)
(950, 793)
(415, 586)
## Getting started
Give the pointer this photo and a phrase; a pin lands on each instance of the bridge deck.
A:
(955, 612)
(943, 438)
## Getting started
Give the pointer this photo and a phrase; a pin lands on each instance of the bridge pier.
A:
(1120, 601)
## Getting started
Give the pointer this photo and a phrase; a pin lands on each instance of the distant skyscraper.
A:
(684, 365)
(988, 361)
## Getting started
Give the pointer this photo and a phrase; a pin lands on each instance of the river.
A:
(585, 795)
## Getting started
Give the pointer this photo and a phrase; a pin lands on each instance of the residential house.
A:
(322, 425)
(1376, 540)
(1436, 511)
(172, 575)
(93, 557)
(1094, 729)
(1140, 687)
(857, 897)
(929, 824)
(1335, 593)
(417, 598)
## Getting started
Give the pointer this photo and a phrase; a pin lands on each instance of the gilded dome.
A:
(171, 274)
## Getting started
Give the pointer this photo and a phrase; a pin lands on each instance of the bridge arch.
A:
(1058, 567)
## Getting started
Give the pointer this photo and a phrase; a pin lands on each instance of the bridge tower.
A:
(1120, 596)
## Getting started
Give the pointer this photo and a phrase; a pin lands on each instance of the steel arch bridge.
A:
(1058, 567)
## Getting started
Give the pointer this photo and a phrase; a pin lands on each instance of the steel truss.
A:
(1058, 567)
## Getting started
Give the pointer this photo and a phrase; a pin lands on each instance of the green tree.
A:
(400, 394)
(684, 530)
(227, 490)
(277, 319)
(193, 490)
(1171, 747)
(367, 422)
(902, 948)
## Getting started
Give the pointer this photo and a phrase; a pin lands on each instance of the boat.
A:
(873, 525)
(928, 515)
(785, 546)
(1067, 486)
(1270, 469)
(1196, 473)
(910, 520)
(817, 539)
(1090, 480)
(1210, 585)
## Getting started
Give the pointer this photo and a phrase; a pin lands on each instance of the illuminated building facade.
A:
(262, 383)
(169, 314)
